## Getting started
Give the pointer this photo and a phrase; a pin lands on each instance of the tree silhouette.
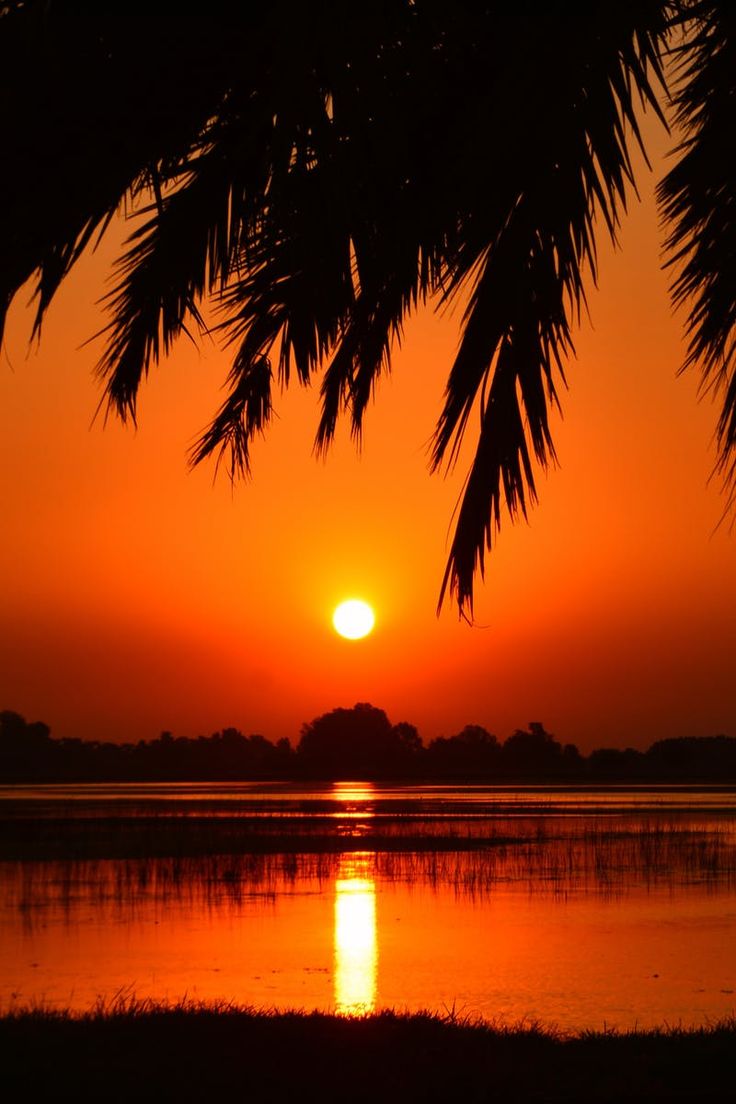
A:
(533, 750)
(322, 170)
(354, 743)
(23, 744)
(360, 743)
(473, 752)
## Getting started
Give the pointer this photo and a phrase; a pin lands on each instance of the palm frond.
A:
(530, 262)
(319, 171)
(698, 200)
(194, 237)
(90, 99)
(245, 413)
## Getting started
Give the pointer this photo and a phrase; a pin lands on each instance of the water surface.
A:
(567, 906)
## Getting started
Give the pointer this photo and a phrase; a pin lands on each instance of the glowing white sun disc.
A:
(353, 619)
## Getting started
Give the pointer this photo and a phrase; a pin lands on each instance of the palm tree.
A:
(320, 171)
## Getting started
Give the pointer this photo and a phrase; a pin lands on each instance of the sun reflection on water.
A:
(356, 944)
(355, 800)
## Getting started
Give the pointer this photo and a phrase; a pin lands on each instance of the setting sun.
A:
(353, 619)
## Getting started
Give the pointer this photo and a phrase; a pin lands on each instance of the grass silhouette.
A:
(141, 1050)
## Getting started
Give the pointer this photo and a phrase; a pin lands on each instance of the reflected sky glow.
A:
(356, 943)
(356, 800)
(353, 791)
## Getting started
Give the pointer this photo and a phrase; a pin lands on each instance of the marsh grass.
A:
(69, 835)
(142, 1050)
(608, 859)
(156, 821)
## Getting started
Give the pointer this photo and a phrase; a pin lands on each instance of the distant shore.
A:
(357, 744)
(140, 1051)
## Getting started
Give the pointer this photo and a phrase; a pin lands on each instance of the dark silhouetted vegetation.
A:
(355, 743)
(320, 171)
(220, 1052)
(72, 862)
(223, 756)
(359, 743)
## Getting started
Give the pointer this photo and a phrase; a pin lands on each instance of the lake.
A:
(574, 907)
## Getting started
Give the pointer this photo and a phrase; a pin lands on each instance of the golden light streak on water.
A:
(356, 942)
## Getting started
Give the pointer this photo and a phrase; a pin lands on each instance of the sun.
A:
(353, 619)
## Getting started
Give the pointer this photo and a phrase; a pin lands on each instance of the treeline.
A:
(355, 743)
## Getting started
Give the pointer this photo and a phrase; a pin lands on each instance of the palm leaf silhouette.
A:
(319, 172)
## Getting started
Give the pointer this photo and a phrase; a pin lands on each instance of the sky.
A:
(139, 595)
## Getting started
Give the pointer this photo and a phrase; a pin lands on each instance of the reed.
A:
(166, 835)
(610, 860)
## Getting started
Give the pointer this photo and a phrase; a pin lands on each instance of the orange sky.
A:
(138, 596)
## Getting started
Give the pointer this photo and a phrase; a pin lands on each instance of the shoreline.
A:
(192, 1051)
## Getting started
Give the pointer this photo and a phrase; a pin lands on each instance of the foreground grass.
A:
(141, 1051)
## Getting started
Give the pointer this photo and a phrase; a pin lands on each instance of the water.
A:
(572, 907)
